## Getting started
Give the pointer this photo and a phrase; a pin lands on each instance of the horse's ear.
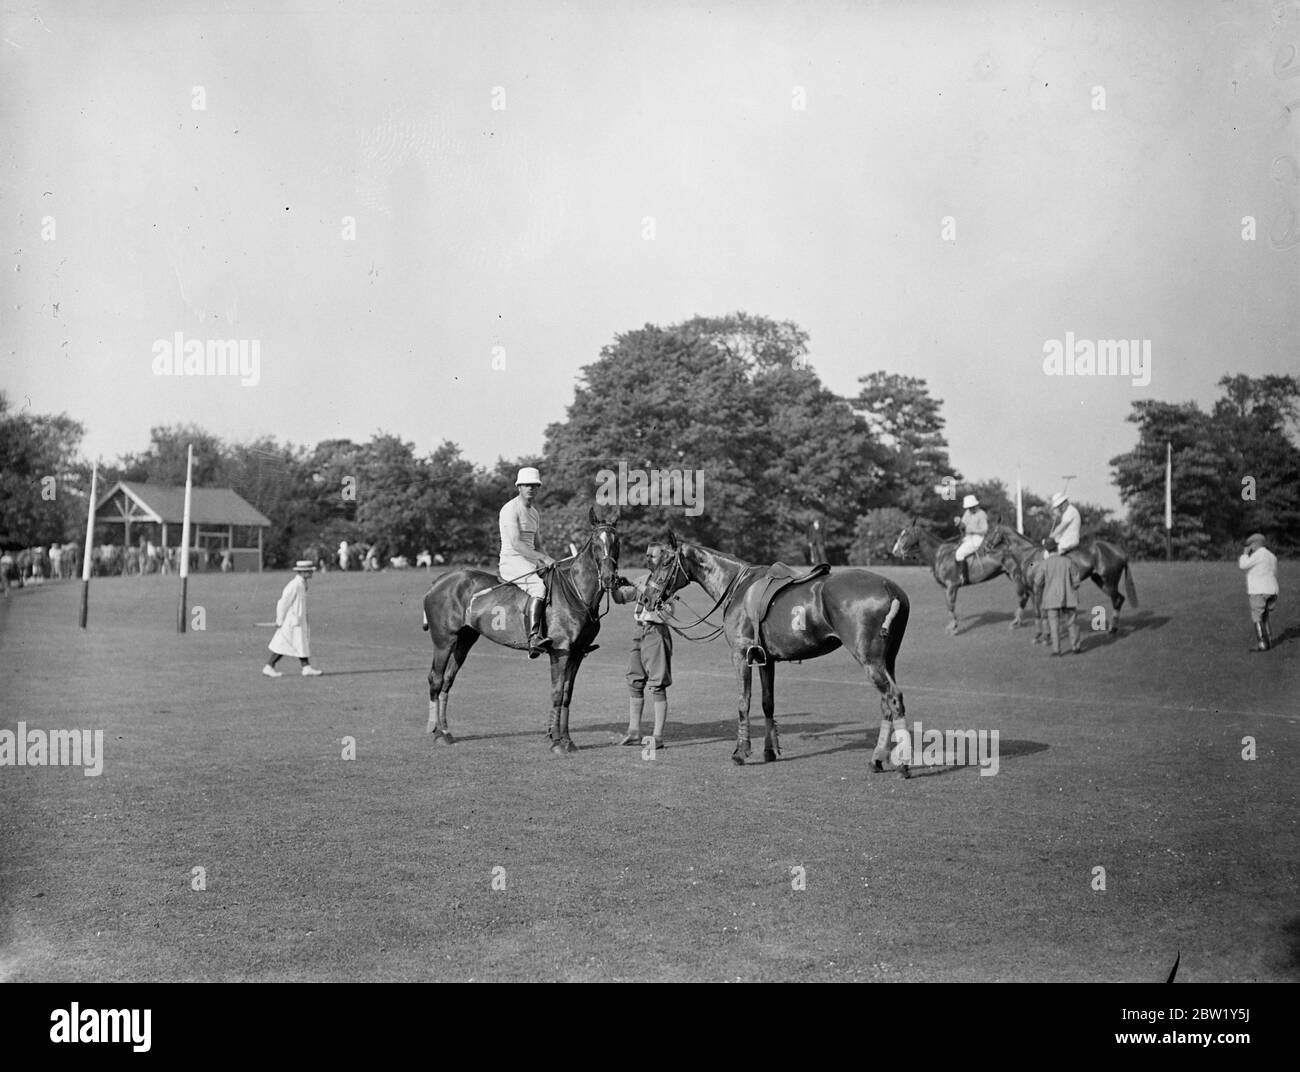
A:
(591, 515)
(613, 518)
(670, 537)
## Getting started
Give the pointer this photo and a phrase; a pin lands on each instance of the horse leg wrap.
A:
(889, 618)
(433, 717)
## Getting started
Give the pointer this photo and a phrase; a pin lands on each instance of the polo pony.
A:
(854, 608)
(464, 604)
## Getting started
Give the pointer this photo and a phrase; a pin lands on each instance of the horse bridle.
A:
(664, 588)
(606, 556)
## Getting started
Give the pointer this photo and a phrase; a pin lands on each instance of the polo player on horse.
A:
(975, 524)
(521, 561)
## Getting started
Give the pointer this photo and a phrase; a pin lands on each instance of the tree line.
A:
(732, 403)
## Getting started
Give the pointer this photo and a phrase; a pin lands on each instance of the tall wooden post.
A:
(90, 546)
(185, 544)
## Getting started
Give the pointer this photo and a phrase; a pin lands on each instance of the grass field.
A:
(1127, 758)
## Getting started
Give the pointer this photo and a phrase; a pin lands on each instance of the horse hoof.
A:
(877, 767)
(443, 738)
(738, 758)
(769, 755)
(905, 771)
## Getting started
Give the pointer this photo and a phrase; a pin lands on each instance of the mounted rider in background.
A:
(1068, 522)
(975, 526)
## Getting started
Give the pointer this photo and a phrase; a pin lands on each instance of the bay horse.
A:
(464, 604)
(853, 608)
(941, 556)
(1103, 562)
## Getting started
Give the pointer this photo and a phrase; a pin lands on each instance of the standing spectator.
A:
(56, 562)
(816, 542)
(650, 662)
(345, 555)
(1260, 565)
(293, 635)
(1060, 582)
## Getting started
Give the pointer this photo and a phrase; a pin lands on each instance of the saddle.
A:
(758, 599)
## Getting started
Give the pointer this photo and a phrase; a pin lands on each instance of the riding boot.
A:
(538, 641)
(964, 571)
(1268, 634)
(1262, 636)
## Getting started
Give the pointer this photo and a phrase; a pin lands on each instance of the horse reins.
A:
(727, 593)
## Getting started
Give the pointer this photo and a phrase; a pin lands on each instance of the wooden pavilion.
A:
(220, 520)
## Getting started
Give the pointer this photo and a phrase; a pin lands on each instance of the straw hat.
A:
(528, 475)
(1058, 498)
(970, 502)
(304, 565)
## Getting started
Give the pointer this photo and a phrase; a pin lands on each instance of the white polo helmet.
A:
(1059, 498)
(970, 502)
(528, 475)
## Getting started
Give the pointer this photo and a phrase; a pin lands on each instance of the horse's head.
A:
(996, 539)
(906, 542)
(667, 574)
(603, 545)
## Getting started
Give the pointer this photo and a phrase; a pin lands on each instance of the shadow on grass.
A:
(1291, 632)
(1008, 749)
(1290, 953)
(387, 670)
(994, 617)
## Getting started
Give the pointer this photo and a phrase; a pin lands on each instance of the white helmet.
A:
(970, 502)
(528, 475)
(1058, 498)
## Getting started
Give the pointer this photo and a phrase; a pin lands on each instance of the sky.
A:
(429, 217)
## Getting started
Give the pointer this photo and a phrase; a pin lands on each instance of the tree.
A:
(42, 487)
(1261, 461)
(732, 403)
(875, 534)
(165, 459)
(1198, 482)
(908, 424)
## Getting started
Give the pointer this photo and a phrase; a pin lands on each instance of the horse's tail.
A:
(1130, 589)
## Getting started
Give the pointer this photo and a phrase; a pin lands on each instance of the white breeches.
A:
(512, 568)
(968, 546)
